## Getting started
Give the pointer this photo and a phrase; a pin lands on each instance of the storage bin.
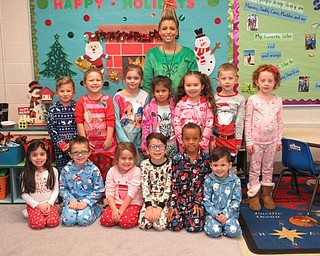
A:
(11, 155)
(4, 184)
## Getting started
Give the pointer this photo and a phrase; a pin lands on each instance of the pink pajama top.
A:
(199, 113)
(263, 121)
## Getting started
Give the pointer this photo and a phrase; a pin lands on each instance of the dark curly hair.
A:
(207, 90)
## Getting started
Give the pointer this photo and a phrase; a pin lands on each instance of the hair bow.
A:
(168, 4)
(275, 69)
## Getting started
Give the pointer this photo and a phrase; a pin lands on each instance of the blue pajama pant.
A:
(84, 217)
(214, 228)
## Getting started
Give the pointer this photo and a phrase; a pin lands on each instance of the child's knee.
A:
(69, 220)
(233, 231)
(213, 231)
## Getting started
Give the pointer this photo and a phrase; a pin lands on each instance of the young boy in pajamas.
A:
(222, 196)
(81, 186)
(189, 170)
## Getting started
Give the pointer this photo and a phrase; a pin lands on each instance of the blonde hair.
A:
(65, 80)
(169, 13)
(92, 70)
(227, 67)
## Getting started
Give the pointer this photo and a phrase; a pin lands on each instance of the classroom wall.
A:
(16, 66)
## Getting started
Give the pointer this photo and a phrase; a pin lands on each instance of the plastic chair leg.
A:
(278, 184)
(296, 182)
(313, 194)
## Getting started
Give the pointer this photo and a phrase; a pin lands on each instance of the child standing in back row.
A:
(39, 187)
(95, 120)
(229, 119)
(61, 123)
(195, 104)
(129, 104)
(158, 115)
(263, 133)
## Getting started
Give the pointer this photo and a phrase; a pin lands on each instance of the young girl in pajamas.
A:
(156, 183)
(122, 189)
(195, 104)
(81, 186)
(95, 120)
(158, 115)
(263, 133)
(129, 104)
(222, 196)
(39, 187)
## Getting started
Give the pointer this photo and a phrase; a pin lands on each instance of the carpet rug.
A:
(286, 229)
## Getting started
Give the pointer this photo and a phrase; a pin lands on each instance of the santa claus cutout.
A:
(94, 54)
(205, 58)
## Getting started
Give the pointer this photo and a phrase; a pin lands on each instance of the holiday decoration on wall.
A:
(121, 32)
(93, 54)
(40, 101)
(204, 55)
(57, 64)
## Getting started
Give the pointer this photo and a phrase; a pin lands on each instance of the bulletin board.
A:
(282, 33)
(62, 30)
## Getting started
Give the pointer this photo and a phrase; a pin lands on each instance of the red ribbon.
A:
(275, 69)
(167, 4)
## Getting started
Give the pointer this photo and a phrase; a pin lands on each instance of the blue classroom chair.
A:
(297, 160)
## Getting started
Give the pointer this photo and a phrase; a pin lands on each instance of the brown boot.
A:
(254, 202)
(268, 203)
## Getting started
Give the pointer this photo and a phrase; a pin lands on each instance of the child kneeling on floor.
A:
(222, 196)
(123, 190)
(81, 186)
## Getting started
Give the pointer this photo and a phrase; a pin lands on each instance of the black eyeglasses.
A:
(155, 147)
(77, 153)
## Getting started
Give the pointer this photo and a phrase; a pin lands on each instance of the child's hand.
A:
(66, 147)
(42, 208)
(107, 144)
(92, 147)
(156, 214)
(279, 147)
(47, 209)
(221, 218)
(172, 212)
(82, 205)
(197, 210)
(73, 204)
(249, 149)
(148, 213)
(212, 145)
(116, 215)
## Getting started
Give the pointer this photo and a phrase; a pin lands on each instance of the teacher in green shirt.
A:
(170, 59)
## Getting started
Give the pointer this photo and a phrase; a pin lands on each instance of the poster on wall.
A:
(69, 36)
(282, 33)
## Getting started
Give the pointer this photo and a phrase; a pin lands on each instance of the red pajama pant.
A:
(128, 219)
(37, 220)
